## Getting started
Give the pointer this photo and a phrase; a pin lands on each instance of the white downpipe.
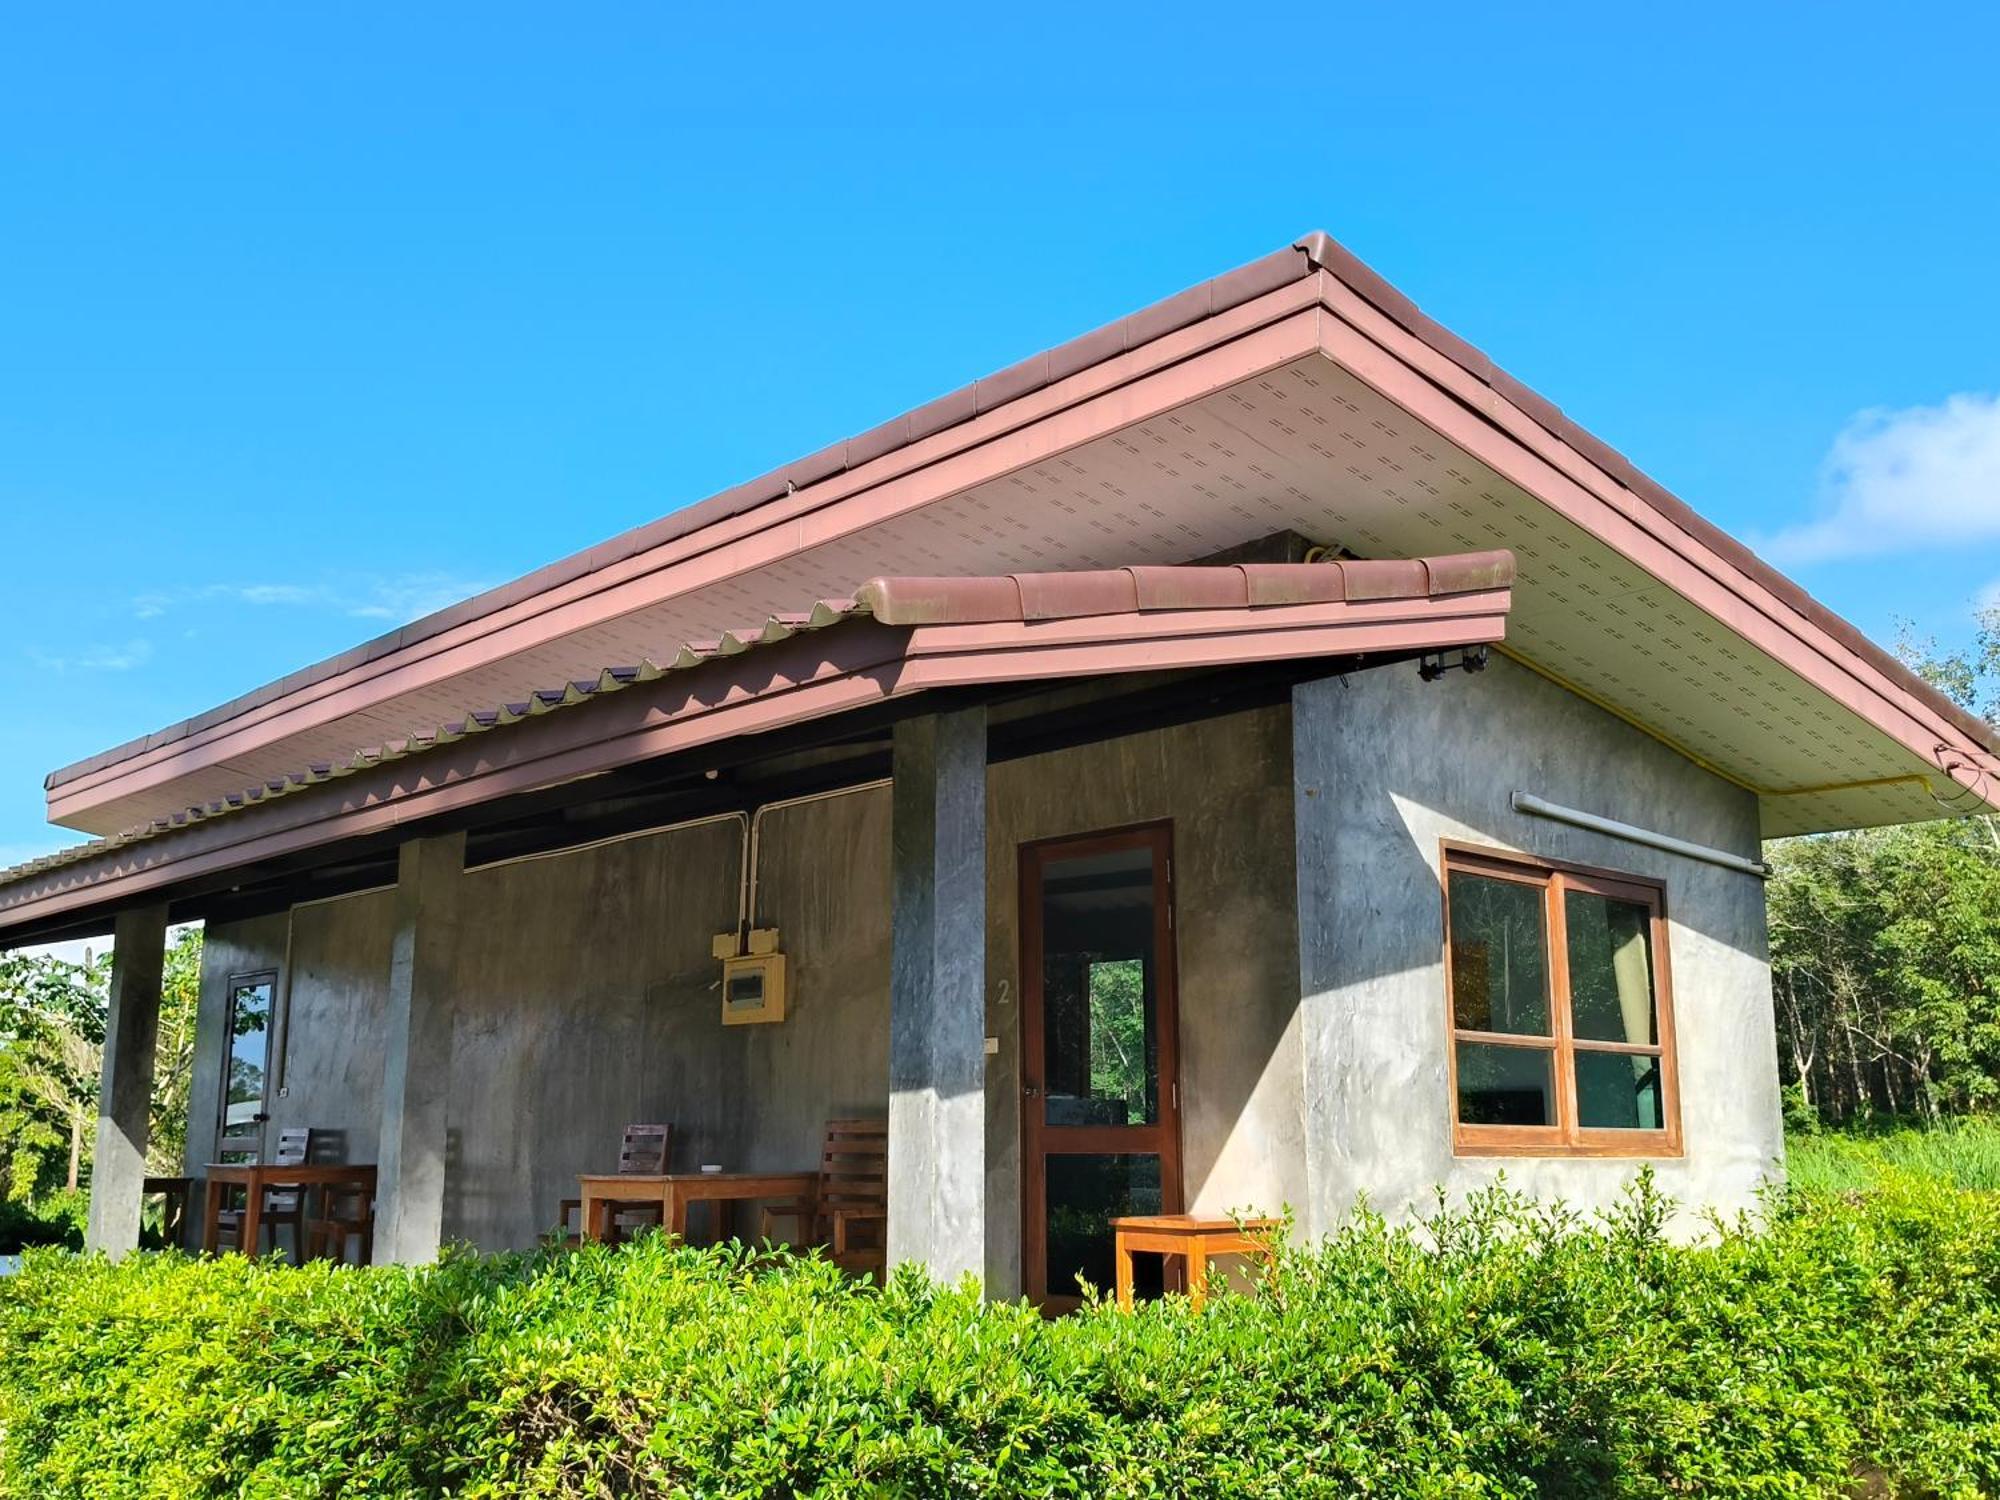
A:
(1527, 802)
(753, 835)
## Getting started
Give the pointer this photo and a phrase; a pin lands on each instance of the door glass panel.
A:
(1506, 1085)
(1618, 1091)
(243, 1085)
(1100, 1033)
(1085, 1193)
(1499, 956)
(1611, 969)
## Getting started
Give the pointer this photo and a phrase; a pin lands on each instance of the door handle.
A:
(1030, 1090)
(260, 1119)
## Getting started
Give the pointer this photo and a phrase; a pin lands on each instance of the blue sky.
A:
(314, 318)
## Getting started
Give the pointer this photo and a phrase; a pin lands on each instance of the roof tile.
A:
(1386, 579)
(902, 601)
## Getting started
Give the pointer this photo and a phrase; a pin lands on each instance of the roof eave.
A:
(1263, 312)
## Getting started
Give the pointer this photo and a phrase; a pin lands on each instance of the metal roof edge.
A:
(1205, 300)
(1309, 254)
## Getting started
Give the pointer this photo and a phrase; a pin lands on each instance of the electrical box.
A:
(753, 983)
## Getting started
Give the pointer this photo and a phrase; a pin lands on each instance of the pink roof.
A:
(896, 637)
(1852, 724)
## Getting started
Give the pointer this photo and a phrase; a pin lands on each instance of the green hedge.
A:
(1849, 1346)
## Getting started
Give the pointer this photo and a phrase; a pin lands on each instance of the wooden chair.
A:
(282, 1205)
(346, 1212)
(643, 1152)
(852, 1193)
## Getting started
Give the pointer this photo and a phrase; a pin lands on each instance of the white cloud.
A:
(396, 598)
(390, 598)
(118, 658)
(280, 593)
(1899, 481)
(411, 596)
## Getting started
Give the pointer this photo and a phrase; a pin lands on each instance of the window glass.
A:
(1118, 1042)
(249, 1035)
(1556, 1048)
(1100, 1034)
(245, 1080)
(1499, 956)
(1610, 969)
(1500, 1085)
(1618, 1091)
(1085, 1193)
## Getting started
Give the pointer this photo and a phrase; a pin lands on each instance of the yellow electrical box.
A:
(753, 983)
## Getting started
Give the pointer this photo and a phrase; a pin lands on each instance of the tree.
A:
(1970, 677)
(1885, 943)
(52, 1016)
(173, 1060)
(53, 1041)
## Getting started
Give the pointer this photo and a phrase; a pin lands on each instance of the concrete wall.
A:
(589, 1000)
(330, 1072)
(332, 1078)
(1226, 784)
(1387, 767)
(227, 948)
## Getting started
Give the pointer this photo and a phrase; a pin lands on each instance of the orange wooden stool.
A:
(1194, 1239)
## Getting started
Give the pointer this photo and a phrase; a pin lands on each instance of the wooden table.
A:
(173, 1222)
(604, 1193)
(1195, 1240)
(259, 1178)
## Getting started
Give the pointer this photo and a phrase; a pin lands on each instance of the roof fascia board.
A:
(1471, 620)
(1184, 365)
(857, 665)
(1368, 327)
(1443, 395)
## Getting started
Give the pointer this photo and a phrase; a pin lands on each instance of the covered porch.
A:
(1026, 844)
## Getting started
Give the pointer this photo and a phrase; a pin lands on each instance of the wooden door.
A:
(1100, 1080)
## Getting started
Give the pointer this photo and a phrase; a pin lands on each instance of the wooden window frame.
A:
(1566, 1137)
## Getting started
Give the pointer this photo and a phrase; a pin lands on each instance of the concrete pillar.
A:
(1316, 751)
(416, 1062)
(125, 1096)
(937, 995)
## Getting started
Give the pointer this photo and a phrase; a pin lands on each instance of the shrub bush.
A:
(1506, 1349)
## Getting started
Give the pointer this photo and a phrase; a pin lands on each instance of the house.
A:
(1254, 755)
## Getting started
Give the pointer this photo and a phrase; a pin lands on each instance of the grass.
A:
(1960, 1154)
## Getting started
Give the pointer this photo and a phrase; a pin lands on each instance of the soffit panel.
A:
(1309, 448)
